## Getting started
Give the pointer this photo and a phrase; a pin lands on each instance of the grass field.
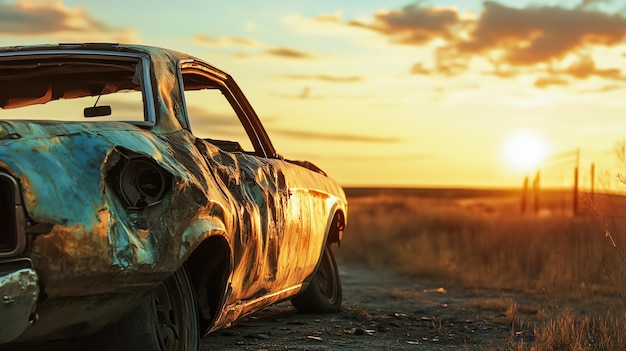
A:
(469, 238)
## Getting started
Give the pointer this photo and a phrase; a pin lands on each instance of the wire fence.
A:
(562, 171)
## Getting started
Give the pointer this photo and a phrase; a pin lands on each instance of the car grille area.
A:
(12, 237)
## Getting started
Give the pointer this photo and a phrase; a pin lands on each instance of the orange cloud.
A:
(334, 137)
(224, 41)
(586, 68)
(419, 68)
(548, 81)
(539, 34)
(604, 89)
(414, 24)
(330, 18)
(512, 40)
(306, 94)
(290, 53)
(325, 78)
(37, 18)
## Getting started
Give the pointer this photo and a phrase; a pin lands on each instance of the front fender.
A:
(200, 229)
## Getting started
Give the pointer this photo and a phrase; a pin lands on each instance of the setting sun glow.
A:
(394, 93)
(525, 150)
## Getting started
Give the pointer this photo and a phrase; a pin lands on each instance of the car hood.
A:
(30, 129)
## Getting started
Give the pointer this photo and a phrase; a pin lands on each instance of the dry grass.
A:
(482, 240)
(570, 331)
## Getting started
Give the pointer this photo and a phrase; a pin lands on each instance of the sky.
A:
(450, 93)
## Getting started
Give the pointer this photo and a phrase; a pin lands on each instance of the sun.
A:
(525, 150)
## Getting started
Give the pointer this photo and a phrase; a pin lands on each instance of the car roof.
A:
(152, 51)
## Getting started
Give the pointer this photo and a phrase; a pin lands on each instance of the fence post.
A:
(524, 196)
(575, 200)
(536, 191)
(593, 182)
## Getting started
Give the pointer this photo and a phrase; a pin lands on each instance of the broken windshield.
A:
(72, 88)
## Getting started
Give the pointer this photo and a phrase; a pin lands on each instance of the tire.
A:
(167, 320)
(323, 295)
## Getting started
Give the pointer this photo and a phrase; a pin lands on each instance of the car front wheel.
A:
(323, 295)
(167, 320)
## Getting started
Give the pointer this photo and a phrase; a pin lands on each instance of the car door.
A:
(256, 186)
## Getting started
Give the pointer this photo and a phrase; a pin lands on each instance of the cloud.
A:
(224, 41)
(334, 137)
(247, 43)
(325, 78)
(538, 34)
(39, 18)
(586, 68)
(413, 24)
(306, 94)
(419, 68)
(530, 40)
(329, 18)
(543, 83)
(604, 89)
(290, 53)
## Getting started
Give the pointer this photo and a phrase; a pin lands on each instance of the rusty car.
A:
(142, 199)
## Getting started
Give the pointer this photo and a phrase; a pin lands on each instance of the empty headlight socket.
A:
(138, 180)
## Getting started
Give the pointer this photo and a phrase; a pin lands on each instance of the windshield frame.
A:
(150, 119)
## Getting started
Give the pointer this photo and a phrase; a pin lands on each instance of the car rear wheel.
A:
(167, 320)
(323, 295)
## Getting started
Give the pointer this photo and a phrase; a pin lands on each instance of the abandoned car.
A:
(142, 198)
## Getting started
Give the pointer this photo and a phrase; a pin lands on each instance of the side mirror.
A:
(97, 111)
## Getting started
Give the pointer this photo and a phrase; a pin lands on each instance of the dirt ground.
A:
(386, 312)
(383, 311)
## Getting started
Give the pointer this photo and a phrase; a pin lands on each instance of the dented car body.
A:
(123, 186)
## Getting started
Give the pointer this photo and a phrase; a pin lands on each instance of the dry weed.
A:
(493, 304)
(487, 243)
(569, 331)
(441, 239)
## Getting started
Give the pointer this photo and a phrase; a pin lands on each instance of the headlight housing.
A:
(139, 181)
(142, 183)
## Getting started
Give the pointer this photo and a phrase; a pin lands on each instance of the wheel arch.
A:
(333, 234)
(337, 224)
(209, 267)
